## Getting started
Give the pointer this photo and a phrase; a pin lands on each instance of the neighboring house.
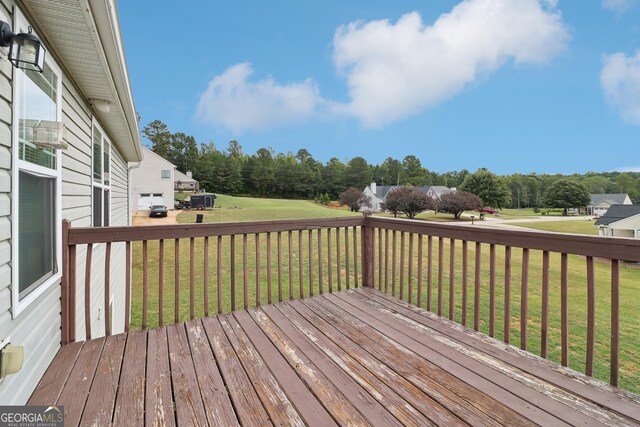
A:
(85, 86)
(620, 221)
(184, 182)
(152, 182)
(600, 203)
(378, 194)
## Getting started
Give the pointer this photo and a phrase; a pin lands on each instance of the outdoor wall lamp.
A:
(25, 49)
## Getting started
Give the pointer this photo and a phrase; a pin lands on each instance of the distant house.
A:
(378, 194)
(185, 182)
(600, 203)
(620, 221)
(152, 182)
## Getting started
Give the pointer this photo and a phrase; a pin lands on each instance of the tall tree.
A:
(390, 172)
(566, 194)
(489, 187)
(264, 171)
(412, 171)
(184, 151)
(333, 177)
(160, 137)
(357, 173)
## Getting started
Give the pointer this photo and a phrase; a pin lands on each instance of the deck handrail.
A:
(370, 249)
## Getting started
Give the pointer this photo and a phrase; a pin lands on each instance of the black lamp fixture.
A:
(25, 49)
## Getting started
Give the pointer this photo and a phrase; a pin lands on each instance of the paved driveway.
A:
(142, 218)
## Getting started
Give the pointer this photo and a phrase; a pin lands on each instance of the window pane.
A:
(106, 164)
(165, 174)
(97, 156)
(106, 208)
(37, 95)
(36, 250)
(97, 207)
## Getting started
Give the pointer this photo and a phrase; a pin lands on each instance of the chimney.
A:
(373, 187)
(189, 174)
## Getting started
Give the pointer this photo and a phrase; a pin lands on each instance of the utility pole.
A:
(518, 198)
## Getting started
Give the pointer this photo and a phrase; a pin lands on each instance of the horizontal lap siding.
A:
(38, 326)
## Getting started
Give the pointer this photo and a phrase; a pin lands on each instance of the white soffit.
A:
(85, 37)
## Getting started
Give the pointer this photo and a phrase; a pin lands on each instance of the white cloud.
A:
(232, 101)
(628, 169)
(395, 70)
(620, 79)
(618, 5)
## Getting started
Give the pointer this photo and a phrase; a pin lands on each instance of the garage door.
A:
(146, 199)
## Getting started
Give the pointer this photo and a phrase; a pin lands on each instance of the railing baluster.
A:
(258, 290)
(465, 280)
(452, 275)
(544, 330)
(440, 273)
(233, 272)
(386, 260)
(591, 315)
(346, 256)
(160, 281)
(127, 290)
(476, 299)
(279, 266)
(492, 290)
(380, 259)
(524, 299)
(107, 291)
(310, 237)
(87, 292)
(615, 321)
(245, 272)
(507, 294)
(72, 290)
(269, 268)
(192, 278)
(419, 298)
(564, 306)
(205, 283)
(329, 260)
(338, 252)
(290, 240)
(219, 274)
(300, 265)
(145, 283)
(393, 263)
(355, 257)
(429, 270)
(410, 273)
(402, 265)
(176, 248)
(320, 284)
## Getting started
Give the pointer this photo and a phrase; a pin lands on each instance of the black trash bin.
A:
(199, 218)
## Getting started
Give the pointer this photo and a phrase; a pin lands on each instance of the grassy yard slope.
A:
(229, 208)
(576, 227)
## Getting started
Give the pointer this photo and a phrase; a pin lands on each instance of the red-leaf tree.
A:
(458, 202)
(409, 201)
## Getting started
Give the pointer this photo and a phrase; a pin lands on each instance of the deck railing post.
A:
(367, 252)
(64, 283)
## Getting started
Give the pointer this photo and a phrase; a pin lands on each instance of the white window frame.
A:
(101, 185)
(20, 24)
(165, 170)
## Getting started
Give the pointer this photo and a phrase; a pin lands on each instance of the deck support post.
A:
(64, 284)
(367, 252)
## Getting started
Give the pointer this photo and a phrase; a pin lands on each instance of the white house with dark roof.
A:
(600, 203)
(620, 221)
(378, 194)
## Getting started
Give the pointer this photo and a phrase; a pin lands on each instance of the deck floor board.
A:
(357, 357)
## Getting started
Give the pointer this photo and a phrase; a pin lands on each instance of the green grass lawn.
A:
(229, 209)
(575, 227)
(247, 274)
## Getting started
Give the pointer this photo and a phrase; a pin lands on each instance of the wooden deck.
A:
(350, 358)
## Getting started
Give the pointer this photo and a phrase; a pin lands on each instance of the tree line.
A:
(266, 173)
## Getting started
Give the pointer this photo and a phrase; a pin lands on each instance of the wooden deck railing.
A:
(442, 268)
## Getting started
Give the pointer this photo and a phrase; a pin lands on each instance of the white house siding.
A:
(146, 179)
(37, 328)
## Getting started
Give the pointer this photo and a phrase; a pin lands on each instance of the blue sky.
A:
(513, 85)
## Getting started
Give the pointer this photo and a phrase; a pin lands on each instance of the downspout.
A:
(129, 193)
